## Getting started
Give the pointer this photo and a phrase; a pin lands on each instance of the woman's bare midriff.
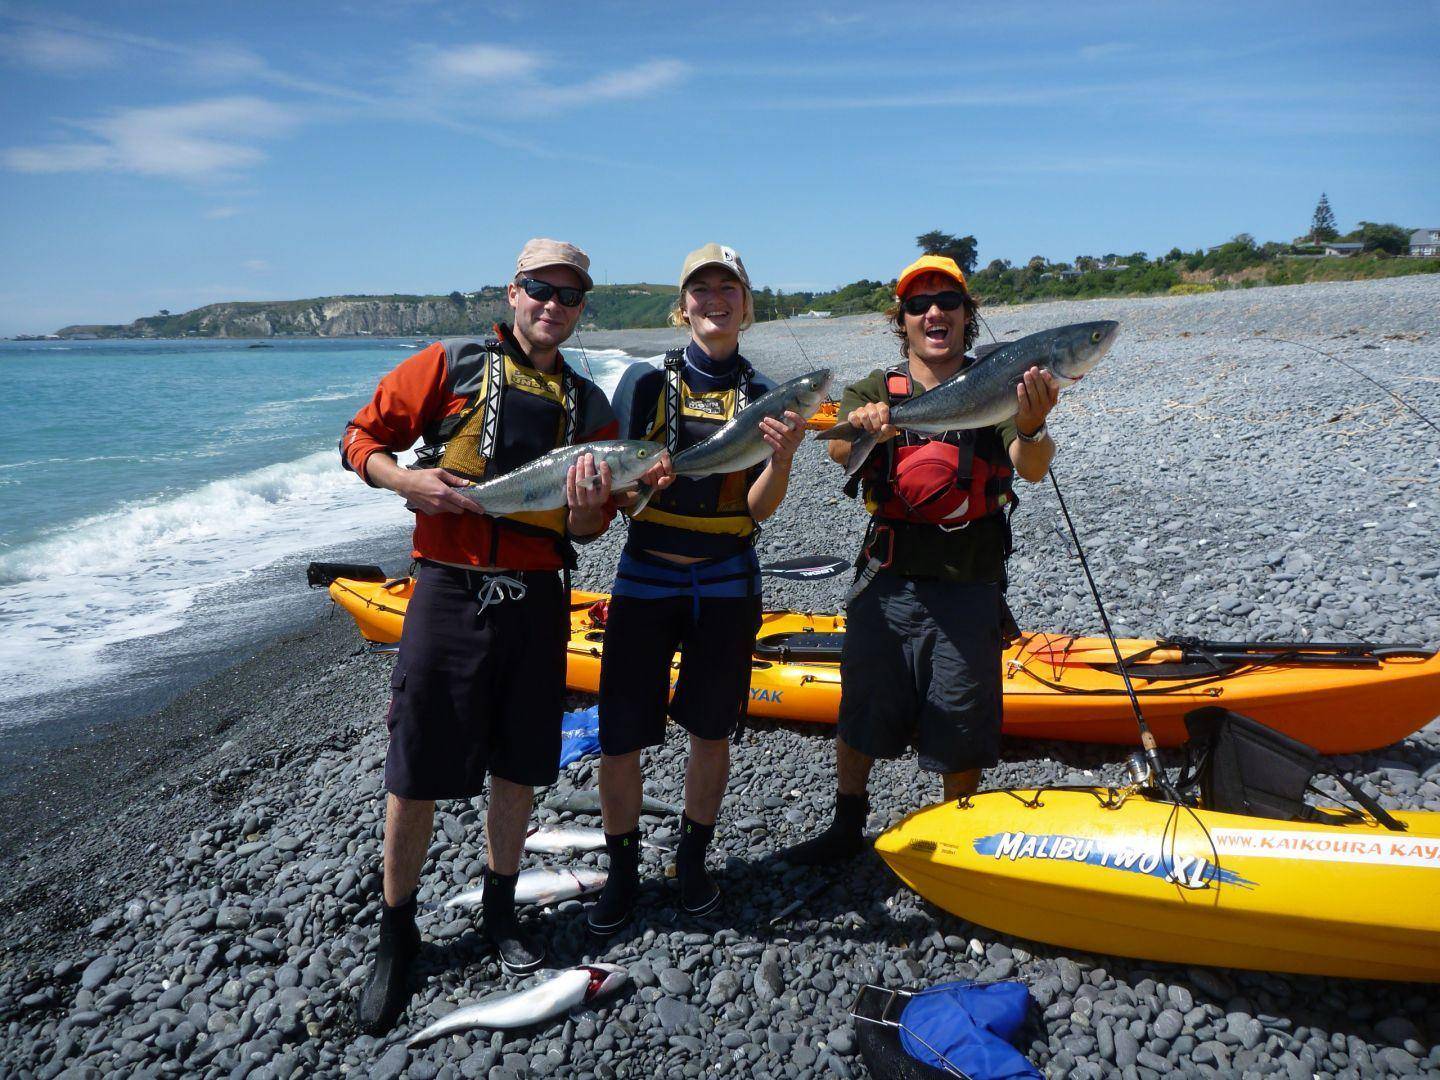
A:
(684, 560)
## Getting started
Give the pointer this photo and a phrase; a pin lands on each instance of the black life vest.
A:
(683, 418)
(947, 480)
(513, 414)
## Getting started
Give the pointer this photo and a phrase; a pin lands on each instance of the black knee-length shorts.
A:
(476, 691)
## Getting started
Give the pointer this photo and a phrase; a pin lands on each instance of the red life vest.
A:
(948, 481)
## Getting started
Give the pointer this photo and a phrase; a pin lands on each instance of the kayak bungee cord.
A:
(1147, 739)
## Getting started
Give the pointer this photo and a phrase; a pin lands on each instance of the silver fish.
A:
(544, 1001)
(542, 887)
(588, 802)
(983, 394)
(738, 444)
(555, 839)
(540, 484)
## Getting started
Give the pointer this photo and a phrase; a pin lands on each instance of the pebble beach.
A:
(194, 893)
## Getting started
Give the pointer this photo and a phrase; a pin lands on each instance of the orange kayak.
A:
(1340, 699)
(825, 417)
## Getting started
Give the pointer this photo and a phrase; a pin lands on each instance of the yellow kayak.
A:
(1339, 699)
(1113, 872)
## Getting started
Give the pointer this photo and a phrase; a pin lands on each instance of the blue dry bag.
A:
(579, 735)
(970, 1025)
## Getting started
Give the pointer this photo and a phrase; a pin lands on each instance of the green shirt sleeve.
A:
(869, 389)
(1008, 432)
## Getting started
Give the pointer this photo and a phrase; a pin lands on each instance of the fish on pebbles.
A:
(552, 840)
(983, 394)
(738, 444)
(534, 1005)
(588, 802)
(542, 887)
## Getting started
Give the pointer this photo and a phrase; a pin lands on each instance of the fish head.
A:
(810, 390)
(1076, 349)
(630, 459)
(604, 979)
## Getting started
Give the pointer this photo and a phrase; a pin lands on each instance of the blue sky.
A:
(165, 155)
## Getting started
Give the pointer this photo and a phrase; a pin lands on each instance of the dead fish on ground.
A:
(555, 839)
(543, 1001)
(542, 887)
(588, 802)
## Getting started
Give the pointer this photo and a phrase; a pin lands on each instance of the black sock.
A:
(694, 841)
(497, 901)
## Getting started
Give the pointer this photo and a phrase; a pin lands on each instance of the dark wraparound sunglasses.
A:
(542, 291)
(945, 301)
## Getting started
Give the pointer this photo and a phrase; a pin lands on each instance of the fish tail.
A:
(847, 431)
(859, 451)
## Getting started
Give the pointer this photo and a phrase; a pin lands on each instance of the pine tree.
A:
(1322, 225)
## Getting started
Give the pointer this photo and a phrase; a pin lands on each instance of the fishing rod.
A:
(1364, 375)
(1147, 740)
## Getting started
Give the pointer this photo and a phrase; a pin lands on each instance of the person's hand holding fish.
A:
(587, 488)
(435, 491)
(1036, 393)
(874, 419)
(784, 436)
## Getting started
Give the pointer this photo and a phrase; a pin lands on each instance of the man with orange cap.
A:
(924, 632)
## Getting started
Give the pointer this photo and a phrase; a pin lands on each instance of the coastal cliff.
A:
(608, 307)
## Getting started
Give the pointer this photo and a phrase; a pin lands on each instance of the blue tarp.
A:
(971, 1025)
(579, 735)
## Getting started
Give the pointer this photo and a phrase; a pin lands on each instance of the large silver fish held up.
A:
(540, 484)
(983, 394)
(542, 887)
(738, 444)
(544, 1001)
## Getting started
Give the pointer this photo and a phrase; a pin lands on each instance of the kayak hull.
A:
(1055, 686)
(1148, 880)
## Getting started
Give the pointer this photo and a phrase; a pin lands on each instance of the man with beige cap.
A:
(479, 683)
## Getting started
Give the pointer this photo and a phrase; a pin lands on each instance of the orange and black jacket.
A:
(413, 403)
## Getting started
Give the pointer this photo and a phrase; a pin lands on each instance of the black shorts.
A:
(713, 685)
(921, 664)
(474, 691)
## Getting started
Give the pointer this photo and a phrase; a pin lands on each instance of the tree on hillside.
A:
(1037, 262)
(998, 266)
(456, 298)
(1322, 223)
(960, 248)
(1389, 238)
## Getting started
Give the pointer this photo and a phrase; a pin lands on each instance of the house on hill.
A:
(1425, 243)
(1343, 248)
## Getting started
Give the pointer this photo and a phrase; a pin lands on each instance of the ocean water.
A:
(159, 500)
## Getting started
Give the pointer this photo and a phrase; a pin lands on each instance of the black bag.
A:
(1243, 767)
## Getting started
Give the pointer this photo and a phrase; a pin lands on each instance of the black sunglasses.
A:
(945, 301)
(542, 291)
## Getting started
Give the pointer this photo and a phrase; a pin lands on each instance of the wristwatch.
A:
(1038, 434)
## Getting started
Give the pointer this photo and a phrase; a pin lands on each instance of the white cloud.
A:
(219, 213)
(57, 51)
(639, 81)
(475, 63)
(190, 141)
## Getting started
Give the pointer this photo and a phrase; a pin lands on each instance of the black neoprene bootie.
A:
(519, 953)
(388, 988)
(617, 900)
(698, 892)
(844, 839)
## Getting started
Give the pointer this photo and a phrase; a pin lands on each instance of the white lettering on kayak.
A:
(1386, 849)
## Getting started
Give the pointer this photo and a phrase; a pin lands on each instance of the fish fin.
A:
(859, 451)
(643, 492)
(845, 430)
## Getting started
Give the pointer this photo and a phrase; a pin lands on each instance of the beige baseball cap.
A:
(539, 253)
(726, 258)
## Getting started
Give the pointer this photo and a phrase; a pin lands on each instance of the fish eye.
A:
(642, 453)
(1095, 338)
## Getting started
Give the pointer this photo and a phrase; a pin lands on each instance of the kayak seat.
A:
(802, 647)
